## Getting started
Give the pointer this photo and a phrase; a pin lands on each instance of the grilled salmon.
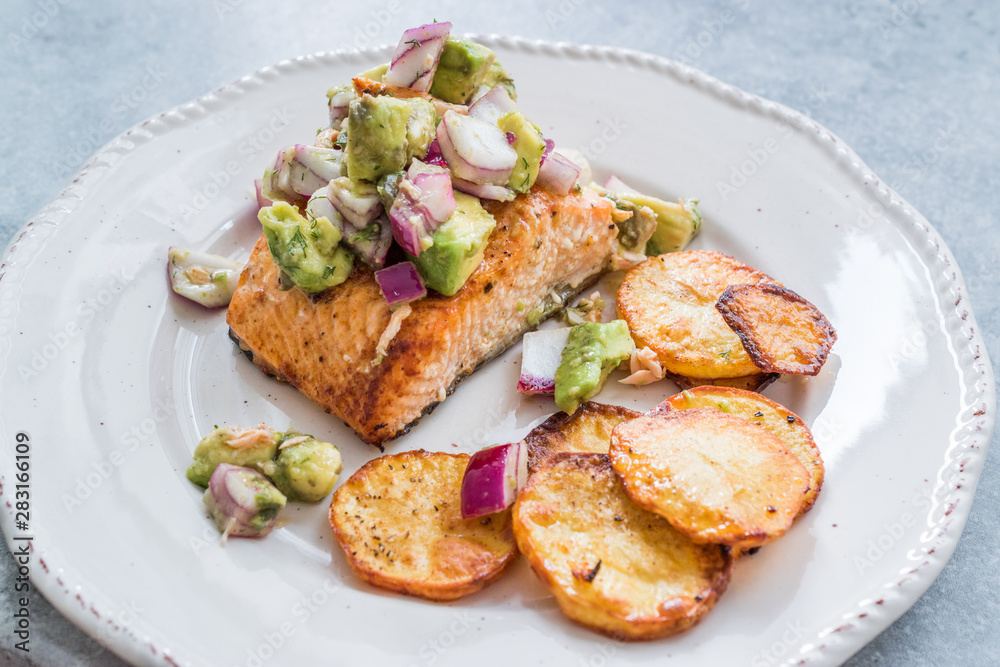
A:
(544, 249)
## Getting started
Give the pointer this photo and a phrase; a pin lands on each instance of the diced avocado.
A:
(530, 147)
(306, 471)
(376, 136)
(375, 73)
(213, 450)
(591, 353)
(421, 128)
(462, 67)
(677, 223)
(384, 132)
(635, 230)
(308, 252)
(388, 186)
(497, 76)
(458, 246)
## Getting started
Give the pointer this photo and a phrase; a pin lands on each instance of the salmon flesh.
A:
(544, 250)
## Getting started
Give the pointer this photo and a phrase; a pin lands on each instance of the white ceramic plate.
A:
(114, 380)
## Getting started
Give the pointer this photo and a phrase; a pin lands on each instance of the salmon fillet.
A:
(544, 250)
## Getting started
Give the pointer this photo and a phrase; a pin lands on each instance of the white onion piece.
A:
(208, 280)
(416, 57)
(558, 174)
(301, 170)
(493, 478)
(242, 502)
(541, 353)
(475, 150)
(494, 192)
(400, 283)
(616, 184)
(491, 106)
(359, 203)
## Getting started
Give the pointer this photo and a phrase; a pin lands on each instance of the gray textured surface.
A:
(913, 87)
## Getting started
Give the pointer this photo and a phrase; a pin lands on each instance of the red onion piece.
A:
(424, 202)
(299, 171)
(549, 146)
(491, 106)
(494, 192)
(434, 155)
(493, 478)
(475, 150)
(243, 502)
(511, 138)
(400, 283)
(416, 57)
(262, 201)
(339, 105)
(558, 174)
(359, 203)
(541, 352)
(616, 184)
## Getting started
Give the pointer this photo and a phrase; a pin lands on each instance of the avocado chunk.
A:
(458, 246)
(308, 252)
(462, 67)
(530, 146)
(307, 470)
(591, 353)
(375, 73)
(677, 223)
(213, 450)
(497, 76)
(384, 133)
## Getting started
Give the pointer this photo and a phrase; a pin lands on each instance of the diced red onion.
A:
(371, 244)
(339, 105)
(491, 106)
(549, 146)
(262, 201)
(494, 192)
(232, 498)
(301, 170)
(493, 478)
(208, 280)
(616, 184)
(424, 202)
(541, 353)
(511, 138)
(434, 155)
(400, 283)
(558, 174)
(359, 203)
(416, 57)
(475, 150)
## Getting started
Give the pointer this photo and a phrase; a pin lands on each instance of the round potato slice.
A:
(668, 303)
(762, 411)
(750, 382)
(612, 566)
(714, 477)
(588, 430)
(398, 520)
(780, 330)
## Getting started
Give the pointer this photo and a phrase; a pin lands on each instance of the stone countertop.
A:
(913, 87)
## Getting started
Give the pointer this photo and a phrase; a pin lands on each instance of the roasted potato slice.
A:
(762, 411)
(398, 520)
(714, 477)
(780, 330)
(588, 430)
(611, 565)
(749, 382)
(669, 304)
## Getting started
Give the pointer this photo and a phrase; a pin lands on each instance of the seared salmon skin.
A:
(544, 249)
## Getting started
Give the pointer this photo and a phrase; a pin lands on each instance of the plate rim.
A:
(958, 476)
